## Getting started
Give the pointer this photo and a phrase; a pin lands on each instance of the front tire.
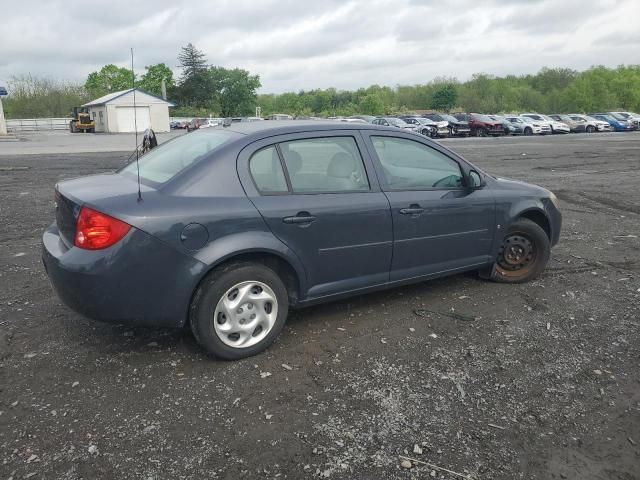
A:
(528, 131)
(238, 310)
(524, 253)
(590, 129)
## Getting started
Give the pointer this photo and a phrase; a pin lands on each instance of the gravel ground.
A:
(536, 381)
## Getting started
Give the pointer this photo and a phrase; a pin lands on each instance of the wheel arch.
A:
(537, 216)
(258, 247)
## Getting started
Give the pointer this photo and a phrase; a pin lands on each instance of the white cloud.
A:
(297, 45)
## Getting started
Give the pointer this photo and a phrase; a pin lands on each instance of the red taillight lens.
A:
(95, 230)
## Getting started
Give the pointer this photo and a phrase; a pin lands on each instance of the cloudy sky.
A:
(298, 44)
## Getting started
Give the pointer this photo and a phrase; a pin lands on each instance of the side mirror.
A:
(475, 180)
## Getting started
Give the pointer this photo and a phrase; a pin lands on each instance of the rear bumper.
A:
(140, 280)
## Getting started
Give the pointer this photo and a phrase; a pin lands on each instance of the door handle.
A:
(302, 218)
(414, 209)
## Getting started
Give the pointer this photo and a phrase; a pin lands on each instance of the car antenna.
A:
(135, 124)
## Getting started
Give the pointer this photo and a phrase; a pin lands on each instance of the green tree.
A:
(194, 87)
(372, 104)
(444, 97)
(108, 79)
(33, 97)
(192, 61)
(151, 81)
(234, 91)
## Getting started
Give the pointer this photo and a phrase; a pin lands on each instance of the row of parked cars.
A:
(439, 125)
(442, 125)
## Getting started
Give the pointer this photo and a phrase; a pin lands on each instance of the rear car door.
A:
(318, 194)
(439, 224)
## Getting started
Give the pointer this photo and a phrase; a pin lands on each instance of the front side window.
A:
(324, 165)
(266, 171)
(409, 165)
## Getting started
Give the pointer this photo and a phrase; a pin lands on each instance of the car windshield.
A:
(527, 119)
(483, 118)
(578, 119)
(165, 161)
(617, 116)
(515, 120)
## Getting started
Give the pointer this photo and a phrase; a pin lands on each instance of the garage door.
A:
(125, 117)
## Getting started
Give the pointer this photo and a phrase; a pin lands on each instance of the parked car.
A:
(196, 123)
(523, 126)
(591, 124)
(554, 125)
(538, 128)
(393, 122)
(508, 127)
(428, 127)
(457, 128)
(366, 118)
(574, 125)
(227, 237)
(279, 116)
(352, 120)
(618, 123)
(481, 125)
(634, 118)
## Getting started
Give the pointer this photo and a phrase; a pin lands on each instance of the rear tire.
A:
(238, 310)
(524, 253)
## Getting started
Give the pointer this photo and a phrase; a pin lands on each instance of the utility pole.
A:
(163, 89)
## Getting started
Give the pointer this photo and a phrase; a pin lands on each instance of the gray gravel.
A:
(540, 382)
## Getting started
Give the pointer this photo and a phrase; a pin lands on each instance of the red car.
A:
(195, 124)
(482, 125)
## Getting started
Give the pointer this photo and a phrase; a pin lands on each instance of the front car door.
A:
(440, 225)
(319, 195)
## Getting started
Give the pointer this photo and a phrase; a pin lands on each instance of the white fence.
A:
(36, 124)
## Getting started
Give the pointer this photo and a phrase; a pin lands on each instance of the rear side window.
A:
(266, 171)
(324, 165)
(410, 165)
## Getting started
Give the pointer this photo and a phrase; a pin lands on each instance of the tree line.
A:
(203, 90)
(551, 90)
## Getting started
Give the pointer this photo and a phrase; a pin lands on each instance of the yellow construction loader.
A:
(81, 121)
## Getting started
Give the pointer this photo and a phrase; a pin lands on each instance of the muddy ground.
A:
(536, 381)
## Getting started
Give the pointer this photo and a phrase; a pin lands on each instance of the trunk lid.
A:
(105, 193)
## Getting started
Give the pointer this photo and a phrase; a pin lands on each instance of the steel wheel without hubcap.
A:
(245, 314)
(517, 256)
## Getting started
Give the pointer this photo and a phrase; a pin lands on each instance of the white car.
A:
(598, 125)
(528, 126)
(554, 125)
(545, 128)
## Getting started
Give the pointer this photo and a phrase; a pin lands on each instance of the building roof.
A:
(112, 96)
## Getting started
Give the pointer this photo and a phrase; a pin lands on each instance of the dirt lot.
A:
(537, 381)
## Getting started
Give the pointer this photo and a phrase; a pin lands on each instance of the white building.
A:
(114, 113)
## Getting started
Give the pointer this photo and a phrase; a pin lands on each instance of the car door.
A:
(318, 194)
(439, 224)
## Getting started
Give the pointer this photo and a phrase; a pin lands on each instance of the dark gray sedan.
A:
(233, 226)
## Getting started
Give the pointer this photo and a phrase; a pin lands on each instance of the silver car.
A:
(592, 124)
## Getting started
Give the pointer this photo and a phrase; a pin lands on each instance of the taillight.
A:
(95, 230)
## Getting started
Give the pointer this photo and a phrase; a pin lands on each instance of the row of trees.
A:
(551, 90)
(203, 90)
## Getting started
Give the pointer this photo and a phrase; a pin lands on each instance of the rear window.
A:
(167, 160)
